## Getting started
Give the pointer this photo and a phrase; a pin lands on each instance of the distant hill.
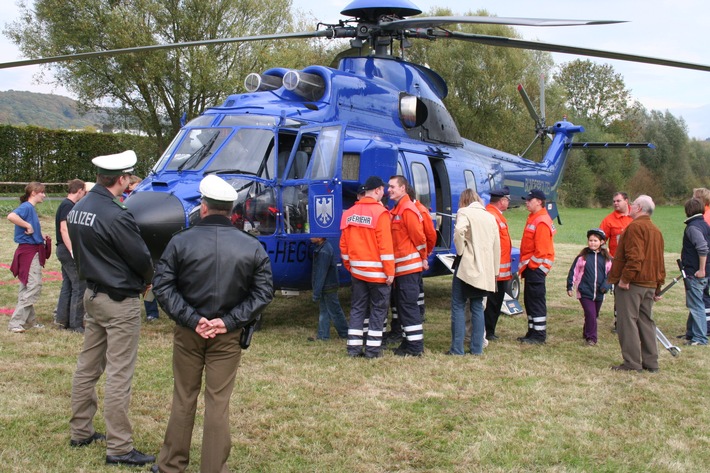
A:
(45, 110)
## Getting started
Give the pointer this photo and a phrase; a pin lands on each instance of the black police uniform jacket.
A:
(108, 249)
(213, 270)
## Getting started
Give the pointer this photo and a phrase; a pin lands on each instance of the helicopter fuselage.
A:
(297, 148)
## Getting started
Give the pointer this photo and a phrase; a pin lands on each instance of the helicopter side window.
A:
(326, 153)
(421, 184)
(286, 143)
(470, 179)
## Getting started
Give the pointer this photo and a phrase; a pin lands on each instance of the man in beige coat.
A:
(478, 248)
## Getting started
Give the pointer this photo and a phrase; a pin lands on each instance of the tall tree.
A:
(593, 91)
(157, 88)
(669, 162)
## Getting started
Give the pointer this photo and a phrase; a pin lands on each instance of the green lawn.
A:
(301, 406)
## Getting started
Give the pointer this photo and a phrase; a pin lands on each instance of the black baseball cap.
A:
(372, 182)
(535, 194)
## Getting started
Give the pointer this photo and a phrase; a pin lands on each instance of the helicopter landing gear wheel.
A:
(515, 287)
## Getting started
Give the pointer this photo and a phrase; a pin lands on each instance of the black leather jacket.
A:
(107, 244)
(213, 270)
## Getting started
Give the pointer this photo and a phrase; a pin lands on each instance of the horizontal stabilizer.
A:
(610, 145)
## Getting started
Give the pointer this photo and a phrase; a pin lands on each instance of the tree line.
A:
(159, 90)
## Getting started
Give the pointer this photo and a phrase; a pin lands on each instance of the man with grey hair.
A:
(638, 271)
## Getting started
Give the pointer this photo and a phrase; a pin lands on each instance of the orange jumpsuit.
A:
(537, 253)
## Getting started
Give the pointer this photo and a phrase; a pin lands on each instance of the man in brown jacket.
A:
(638, 271)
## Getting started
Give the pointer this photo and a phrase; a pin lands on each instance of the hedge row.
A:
(39, 154)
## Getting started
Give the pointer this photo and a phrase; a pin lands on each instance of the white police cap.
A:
(215, 188)
(116, 164)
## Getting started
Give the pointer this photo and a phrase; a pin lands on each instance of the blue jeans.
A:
(151, 309)
(697, 324)
(458, 320)
(330, 310)
(70, 306)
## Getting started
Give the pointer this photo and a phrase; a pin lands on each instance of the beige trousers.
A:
(110, 344)
(27, 296)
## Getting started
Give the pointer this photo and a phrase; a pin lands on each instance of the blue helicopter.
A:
(299, 143)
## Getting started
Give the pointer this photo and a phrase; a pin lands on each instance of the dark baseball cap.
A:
(535, 194)
(501, 192)
(372, 182)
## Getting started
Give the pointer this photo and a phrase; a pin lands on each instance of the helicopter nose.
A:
(158, 215)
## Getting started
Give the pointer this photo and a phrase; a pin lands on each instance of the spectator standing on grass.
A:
(366, 251)
(638, 271)
(32, 251)
(149, 303)
(613, 226)
(410, 260)
(395, 335)
(477, 263)
(500, 200)
(70, 306)
(587, 278)
(213, 280)
(537, 253)
(116, 265)
(704, 195)
(324, 280)
(694, 256)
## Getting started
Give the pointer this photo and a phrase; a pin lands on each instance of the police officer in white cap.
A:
(212, 280)
(115, 263)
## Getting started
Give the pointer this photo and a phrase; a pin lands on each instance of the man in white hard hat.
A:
(212, 280)
(115, 263)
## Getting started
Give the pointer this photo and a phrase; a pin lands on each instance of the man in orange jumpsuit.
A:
(614, 224)
(410, 259)
(537, 253)
(395, 336)
(500, 199)
(366, 251)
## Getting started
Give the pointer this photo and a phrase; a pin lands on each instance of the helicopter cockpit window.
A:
(420, 179)
(258, 120)
(248, 151)
(201, 121)
(325, 154)
(197, 147)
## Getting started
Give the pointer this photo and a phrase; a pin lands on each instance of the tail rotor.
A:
(541, 130)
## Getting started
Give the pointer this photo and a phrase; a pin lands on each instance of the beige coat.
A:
(477, 240)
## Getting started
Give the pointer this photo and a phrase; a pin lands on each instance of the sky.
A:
(659, 28)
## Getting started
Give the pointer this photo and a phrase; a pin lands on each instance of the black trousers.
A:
(493, 306)
(535, 300)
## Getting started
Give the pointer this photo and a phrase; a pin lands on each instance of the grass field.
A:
(301, 406)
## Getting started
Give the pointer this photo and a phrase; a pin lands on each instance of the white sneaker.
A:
(17, 330)
(38, 326)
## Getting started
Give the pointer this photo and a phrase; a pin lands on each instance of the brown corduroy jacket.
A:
(639, 256)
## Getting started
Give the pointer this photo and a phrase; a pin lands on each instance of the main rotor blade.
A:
(434, 21)
(557, 48)
(155, 47)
